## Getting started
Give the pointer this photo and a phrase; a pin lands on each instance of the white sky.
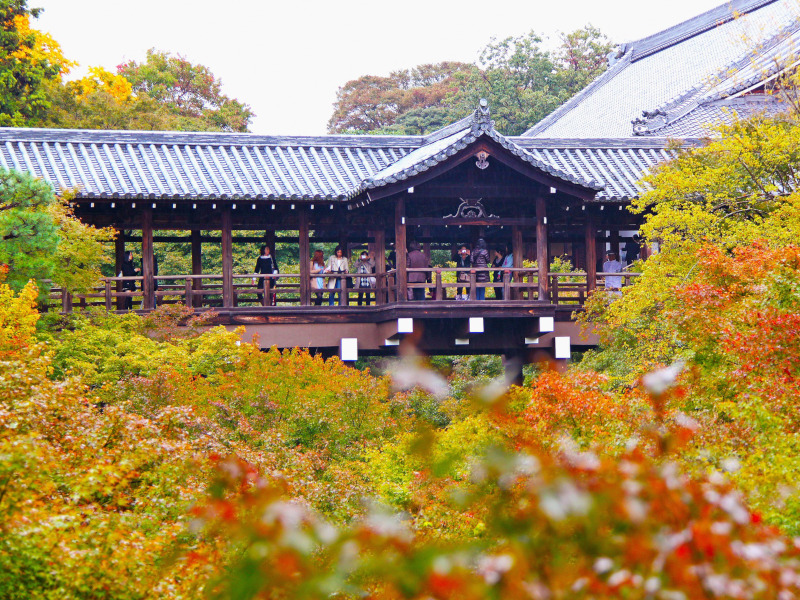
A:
(287, 59)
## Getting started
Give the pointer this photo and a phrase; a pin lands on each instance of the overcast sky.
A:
(287, 59)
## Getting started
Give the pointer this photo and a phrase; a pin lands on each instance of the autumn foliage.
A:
(184, 463)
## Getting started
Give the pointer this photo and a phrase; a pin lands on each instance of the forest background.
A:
(156, 457)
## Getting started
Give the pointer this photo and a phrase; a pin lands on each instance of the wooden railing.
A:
(284, 289)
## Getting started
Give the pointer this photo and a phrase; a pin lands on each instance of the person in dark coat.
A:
(497, 273)
(463, 261)
(480, 262)
(129, 270)
(632, 249)
(416, 260)
(266, 265)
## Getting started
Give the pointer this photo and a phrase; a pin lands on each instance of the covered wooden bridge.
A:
(541, 198)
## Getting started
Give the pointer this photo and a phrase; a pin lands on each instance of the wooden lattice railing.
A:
(284, 289)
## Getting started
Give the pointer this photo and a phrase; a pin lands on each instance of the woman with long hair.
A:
(317, 283)
(337, 264)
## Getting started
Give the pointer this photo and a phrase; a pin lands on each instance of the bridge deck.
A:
(511, 320)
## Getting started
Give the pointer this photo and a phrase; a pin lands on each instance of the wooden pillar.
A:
(148, 301)
(542, 259)
(119, 256)
(590, 236)
(227, 258)
(270, 239)
(400, 247)
(426, 247)
(304, 244)
(380, 264)
(197, 265)
(344, 295)
(380, 250)
(615, 244)
(517, 254)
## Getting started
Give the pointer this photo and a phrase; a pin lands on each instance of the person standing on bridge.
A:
(463, 262)
(416, 260)
(129, 270)
(612, 265)
(480, 262)
(632, 249)
(338, 265)
(365, 282)
(265, 265)
(317, 283)
(497, 273)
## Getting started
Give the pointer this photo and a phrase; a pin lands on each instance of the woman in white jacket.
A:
(337, 264)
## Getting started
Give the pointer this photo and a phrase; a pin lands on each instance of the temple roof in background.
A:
(683, 80)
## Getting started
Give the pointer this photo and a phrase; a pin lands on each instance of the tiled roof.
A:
(135, 164)
(219, 166)
(665, 76)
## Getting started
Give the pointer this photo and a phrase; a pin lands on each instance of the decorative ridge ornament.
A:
(481, 118)
(483, 159)
(471, 209)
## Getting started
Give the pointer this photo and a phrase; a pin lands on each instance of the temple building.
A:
(562, 188)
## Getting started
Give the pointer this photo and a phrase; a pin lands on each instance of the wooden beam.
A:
(516, 252)
(380, 250)
(119, 256)
(542, 259)
(227, 258)
(439, 221)
(590, 235)
(400, 247)
(615, 243)
(495, 191)
(305, 259)
(148, 300)
(269, 240)
(380, 264)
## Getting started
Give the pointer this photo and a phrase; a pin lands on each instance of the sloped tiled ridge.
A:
(436, 152)
(695, 26)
